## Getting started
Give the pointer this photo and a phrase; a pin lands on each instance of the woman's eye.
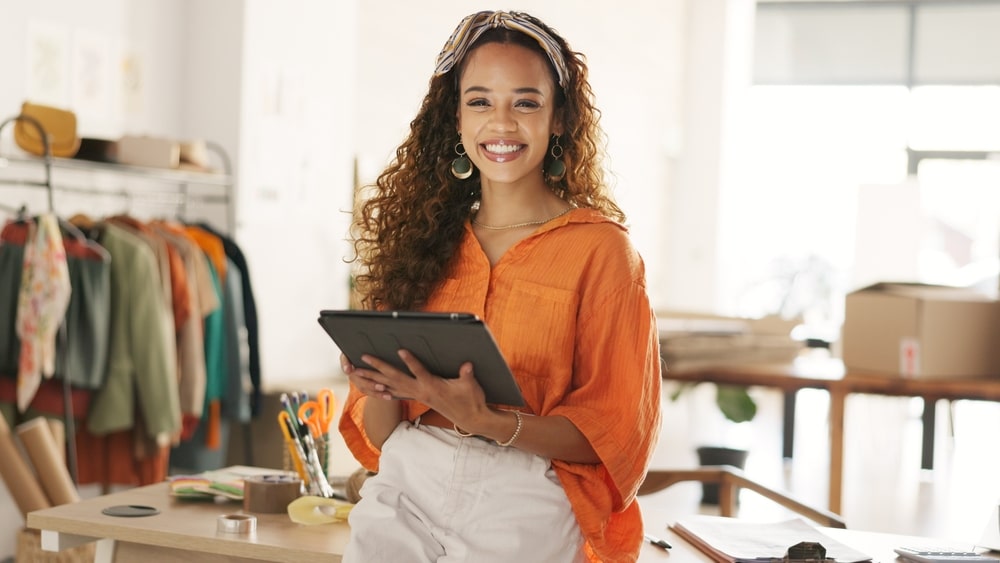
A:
(477, 103)
(527, 104)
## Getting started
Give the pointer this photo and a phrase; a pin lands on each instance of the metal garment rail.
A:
(179, 198)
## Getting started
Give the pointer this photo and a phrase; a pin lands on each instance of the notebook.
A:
(441, 341)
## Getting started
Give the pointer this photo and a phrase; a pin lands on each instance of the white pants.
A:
(448, 499)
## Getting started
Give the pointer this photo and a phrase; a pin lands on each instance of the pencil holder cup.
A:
(290, 460)
(323, 449)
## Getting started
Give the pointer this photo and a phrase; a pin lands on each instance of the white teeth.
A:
(503, 149)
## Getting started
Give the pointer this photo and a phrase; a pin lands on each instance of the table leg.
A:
(838, 398)
(929, 423)
(788, 431)
(105, 552)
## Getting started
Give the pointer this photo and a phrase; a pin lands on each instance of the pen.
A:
(306, 454)
(286, 403)
(291, 438)
(657, 542)
(307, 449)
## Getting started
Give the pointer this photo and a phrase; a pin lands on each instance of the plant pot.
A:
(714, 455)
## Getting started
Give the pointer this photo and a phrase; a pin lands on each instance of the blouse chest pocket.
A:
(536, 327)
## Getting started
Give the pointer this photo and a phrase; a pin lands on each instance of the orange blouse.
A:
(568, 308)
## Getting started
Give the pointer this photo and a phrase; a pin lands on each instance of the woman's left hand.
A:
(458, 399)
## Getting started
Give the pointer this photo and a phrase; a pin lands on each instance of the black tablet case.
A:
(442, 342)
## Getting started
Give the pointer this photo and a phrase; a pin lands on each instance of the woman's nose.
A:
(503, 120)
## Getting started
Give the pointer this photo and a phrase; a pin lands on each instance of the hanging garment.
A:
(83, 357)
(239, 262)
(215, 335)
(191, 337)
(173, 273)
(142, 373)
(236, 396)
(212, 245)
(127, 457)
(215, 362)
(42, 302)
(135, 415)
(207, 449)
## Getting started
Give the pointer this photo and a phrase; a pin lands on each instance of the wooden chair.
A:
(730, 480)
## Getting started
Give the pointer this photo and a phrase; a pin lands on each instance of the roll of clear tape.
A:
(318, 510)
(237, 524)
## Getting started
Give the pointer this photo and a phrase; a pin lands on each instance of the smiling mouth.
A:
(502, 149)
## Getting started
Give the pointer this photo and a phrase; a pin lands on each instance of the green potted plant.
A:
(736, 406)
(734, 401)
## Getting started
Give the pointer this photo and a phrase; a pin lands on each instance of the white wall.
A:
(637, 55)
(110, 32)
(296, 166)
(296, 91)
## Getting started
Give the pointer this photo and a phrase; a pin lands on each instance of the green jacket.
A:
(142, 366)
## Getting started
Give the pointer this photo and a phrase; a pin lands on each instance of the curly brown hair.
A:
(406, 232)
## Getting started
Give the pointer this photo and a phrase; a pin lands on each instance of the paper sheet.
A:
(734, 541)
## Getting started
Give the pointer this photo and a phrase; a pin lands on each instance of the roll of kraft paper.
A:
(16, 473)
(44, 454)
(58, 430)
(270, 494)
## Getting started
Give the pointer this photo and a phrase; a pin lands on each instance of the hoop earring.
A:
(461, 167)
(557, 168)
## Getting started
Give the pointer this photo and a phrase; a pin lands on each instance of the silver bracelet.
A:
(517, 431)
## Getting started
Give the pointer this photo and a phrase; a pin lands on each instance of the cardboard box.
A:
(153, 152)
(922, 331)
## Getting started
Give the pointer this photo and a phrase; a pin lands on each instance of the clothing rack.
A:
(68, 420)
(46, 157)
(179, 197)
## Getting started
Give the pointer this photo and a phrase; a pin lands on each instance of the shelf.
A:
(148, 173)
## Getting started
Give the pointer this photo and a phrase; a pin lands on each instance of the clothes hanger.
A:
(19, 212)
(69, 227)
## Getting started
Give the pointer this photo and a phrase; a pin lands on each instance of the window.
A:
(822, 202)
(869, 149)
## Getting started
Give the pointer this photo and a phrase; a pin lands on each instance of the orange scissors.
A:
(288, 427)
(318, 414)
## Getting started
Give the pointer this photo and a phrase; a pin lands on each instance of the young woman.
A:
(496, 205)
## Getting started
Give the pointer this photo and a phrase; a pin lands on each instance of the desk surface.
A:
(191, 525)
(878, 545)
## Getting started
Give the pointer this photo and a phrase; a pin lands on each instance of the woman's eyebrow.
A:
(524, 90)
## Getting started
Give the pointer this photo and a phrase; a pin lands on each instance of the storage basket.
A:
(29, 550)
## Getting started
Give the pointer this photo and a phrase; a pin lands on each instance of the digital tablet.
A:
(442, 342)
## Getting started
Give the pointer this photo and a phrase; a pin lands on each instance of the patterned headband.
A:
(472, 27)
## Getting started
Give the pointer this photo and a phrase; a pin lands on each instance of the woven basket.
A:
(29, 550)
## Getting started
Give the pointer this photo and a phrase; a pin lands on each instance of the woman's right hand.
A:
(363, 380)
(380, 416)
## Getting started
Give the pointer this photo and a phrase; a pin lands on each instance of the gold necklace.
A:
(519, 225)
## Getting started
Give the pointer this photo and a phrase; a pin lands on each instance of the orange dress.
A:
(568, 308)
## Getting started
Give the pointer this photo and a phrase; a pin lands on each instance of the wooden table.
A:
(829, 374)
(876, 544)
(183, 531)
